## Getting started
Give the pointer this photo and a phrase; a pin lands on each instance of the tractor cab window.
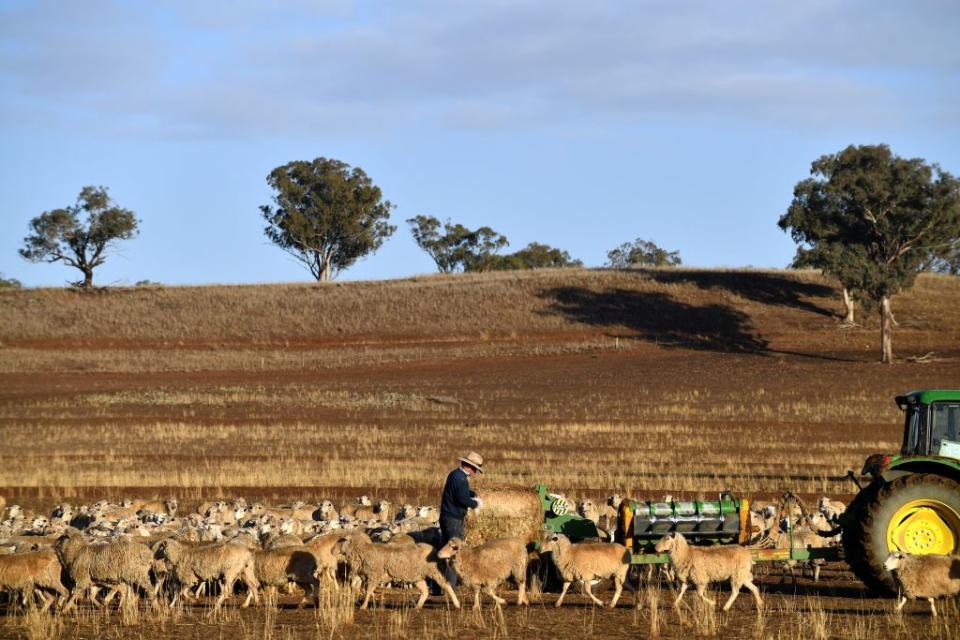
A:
(913, 431)
(945, 429)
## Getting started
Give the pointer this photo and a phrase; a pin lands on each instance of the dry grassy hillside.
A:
(594, 381)
(318, 326)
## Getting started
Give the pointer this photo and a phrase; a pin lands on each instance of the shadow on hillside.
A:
(659, 318)
(765, 288)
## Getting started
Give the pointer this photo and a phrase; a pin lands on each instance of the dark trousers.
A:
(450, 527)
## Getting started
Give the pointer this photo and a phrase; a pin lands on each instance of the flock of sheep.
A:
(151, 549)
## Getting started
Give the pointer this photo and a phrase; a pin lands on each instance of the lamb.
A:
(487, 565)
(930, 577)
(710, 564)
(115, 564)
(588, 561)
(34, 571)
(275, 568)
(378, 564)
(224, 562)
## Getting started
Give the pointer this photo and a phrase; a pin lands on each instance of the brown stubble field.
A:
(650, 382)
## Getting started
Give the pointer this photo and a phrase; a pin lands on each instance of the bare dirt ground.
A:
(647, 383)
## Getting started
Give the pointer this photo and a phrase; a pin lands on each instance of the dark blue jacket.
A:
(457, 497)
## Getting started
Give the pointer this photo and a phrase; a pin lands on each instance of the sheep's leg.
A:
(371, 587)
(702, 592)
(47, 600)
(903, 601)
(94, 590)
(522, 594)
(933, 609)
(755, 591)
(476, 597)
(816, 573)
(71, 601)
(618, 589)
(107, 599)
(424, 592)
(734, 592)
(563, 592)
(683, 590)
(493, 594)
(226, 588)
(586, 587)
(250, 582)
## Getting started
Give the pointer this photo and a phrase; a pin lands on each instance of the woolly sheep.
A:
(119, 563)
(588, 561)
(487, 565)
(36, 570)
(276, 568)
(224, 562)
(323, 548)
(929, 577)
(709, 564)
(378, 564)
(832, 509)
(587, 509)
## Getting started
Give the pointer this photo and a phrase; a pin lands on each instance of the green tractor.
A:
(912, 503)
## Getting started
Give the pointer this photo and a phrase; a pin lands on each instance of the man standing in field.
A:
(457, 498)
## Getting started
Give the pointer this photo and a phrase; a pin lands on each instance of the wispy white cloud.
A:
(252, 67)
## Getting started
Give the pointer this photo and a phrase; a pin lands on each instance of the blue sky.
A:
(578, 124)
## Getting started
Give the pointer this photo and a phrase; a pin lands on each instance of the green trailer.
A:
(911, 503)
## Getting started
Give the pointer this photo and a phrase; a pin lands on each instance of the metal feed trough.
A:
(640, 525)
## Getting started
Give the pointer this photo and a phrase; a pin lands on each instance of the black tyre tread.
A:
(864, 559)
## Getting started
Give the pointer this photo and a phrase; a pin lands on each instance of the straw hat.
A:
(473, 459)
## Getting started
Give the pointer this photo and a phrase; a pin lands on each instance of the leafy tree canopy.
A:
(454, 247)
(9, 283)
(874, 220)
(534, 256)
(641, 253)
(61, 235)
(326, 214)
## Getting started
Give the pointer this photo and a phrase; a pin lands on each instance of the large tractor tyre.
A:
(917, 514)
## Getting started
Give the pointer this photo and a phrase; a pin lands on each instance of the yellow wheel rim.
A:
(924, 526)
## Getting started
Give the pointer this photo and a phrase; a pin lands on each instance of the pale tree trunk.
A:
(324, 272)
(886, 330)
(848, 303)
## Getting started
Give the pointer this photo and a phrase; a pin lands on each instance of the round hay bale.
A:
(508, 511)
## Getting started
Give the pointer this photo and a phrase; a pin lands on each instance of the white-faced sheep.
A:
(703, 565)
(587, 509)
(379, 564)
(224, 562)
(586, 562)
(34, 571)
(929, 577)
(487, 565)
(114, 564)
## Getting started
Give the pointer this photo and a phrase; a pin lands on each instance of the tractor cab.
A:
(932, 424)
